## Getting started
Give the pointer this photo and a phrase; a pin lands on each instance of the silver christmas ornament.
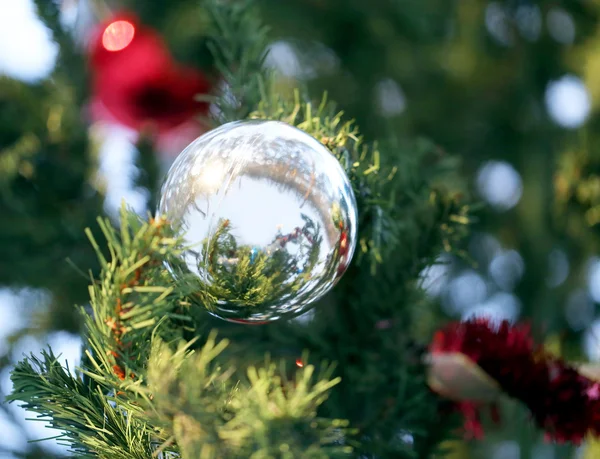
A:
(268, 216)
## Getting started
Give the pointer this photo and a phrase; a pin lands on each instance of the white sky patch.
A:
(67, 348)
(16, 306)
(27, 51)
(11, 318)
(117, 167)
(11, 438)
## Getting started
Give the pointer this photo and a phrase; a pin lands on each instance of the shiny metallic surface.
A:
(269, 215)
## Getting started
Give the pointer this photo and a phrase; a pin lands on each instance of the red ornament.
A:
(565, 403)
(137, 83)
(299, 363)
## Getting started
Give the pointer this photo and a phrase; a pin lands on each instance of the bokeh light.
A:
(389, 97)
(465, 291)
(529, 21)
(498, 25)
(561, 26)
(558, 268)
(499, 306)
(591, 341)
(483, 247)
(579, 310)
(506, 269)
(507, 450)
(118, 35)
(568, 101)
(499, 184)
(434, 278)
(301, 61)
(593, 277)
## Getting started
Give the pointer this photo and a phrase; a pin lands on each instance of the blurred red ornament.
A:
(563, 401)
(136, 82)
(299, 363)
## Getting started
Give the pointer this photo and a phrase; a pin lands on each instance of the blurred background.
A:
(510, 87)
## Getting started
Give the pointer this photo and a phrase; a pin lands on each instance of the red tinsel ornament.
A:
(564, 402)
(137, 83)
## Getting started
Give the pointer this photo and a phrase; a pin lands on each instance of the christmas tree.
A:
(462, 326)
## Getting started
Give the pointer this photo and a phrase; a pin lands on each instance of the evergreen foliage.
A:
(160, 377)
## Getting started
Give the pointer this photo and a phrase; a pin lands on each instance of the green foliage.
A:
(420, 174)
(130, 299)
(139, 392)
(265, 418)
(46, 174)
(577, 191)
(238, 42)
(45, 194)
(92, 425)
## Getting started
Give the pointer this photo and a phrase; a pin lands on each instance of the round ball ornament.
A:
(268, 218)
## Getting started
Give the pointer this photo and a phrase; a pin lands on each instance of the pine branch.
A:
(132, 297)
(189, 394)
(278, 416)
(92, 426)
(238, 42)
(139, 397)
(208, 417)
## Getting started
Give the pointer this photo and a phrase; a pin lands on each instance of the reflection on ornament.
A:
(118, 35)
(269, 216)
(299, 363)
(210, 176)
(343, 242)
(253, 253)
